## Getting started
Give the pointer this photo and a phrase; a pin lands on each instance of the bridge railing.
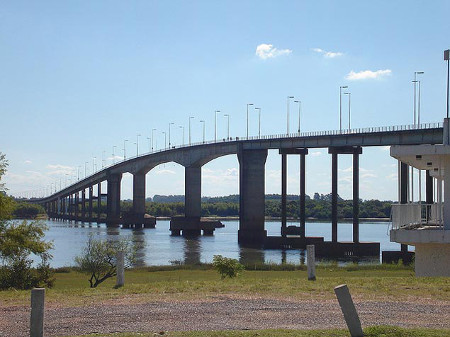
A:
(422, 126)
(415, 215)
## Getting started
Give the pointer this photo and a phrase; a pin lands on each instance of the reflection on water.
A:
(157, 247)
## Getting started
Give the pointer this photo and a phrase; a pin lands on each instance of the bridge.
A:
(251, 152)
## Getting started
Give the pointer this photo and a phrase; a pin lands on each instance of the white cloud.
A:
(328, 54)
(58, 169)
(115, 158)
(266, 51)
(367, 74)
(27, 162)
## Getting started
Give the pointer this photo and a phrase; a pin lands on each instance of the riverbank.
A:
(155, 300)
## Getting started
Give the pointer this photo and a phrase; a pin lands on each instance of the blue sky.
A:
(79, 77)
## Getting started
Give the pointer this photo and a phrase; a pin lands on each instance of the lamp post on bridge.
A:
(215, 124)
(349, 94)
(85, 169)
(447, 58)
(182, 127)
(415, 81)
(137, 144)
(203, 130)
(103, 159)
(228, 125)
(124, 149)
(78, 171)
(165, 140)
(340, 105)
(287, 114)
(190, 117)
(153, 138)
(259, 122)
(248, 104)
(169, 133)
(93, 164)
(114, 155)
(299, 112)
(149, 144)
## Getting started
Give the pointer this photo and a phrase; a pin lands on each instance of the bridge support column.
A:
(334, 195)
(113, 206)
(303, 194)
(137, 218)
(83, 205)
(77, 206)
(404, 179)
(251, 196)
(91, 197)
(428, 188)
(356, 153)
(283, 193)
(99, 202)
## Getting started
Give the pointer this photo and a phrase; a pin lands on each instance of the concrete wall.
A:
(432, 259)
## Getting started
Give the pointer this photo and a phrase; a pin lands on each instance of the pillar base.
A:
(252, 237)
(432, 259)
(192, 226)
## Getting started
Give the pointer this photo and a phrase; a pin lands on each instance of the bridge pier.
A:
(99, 202)
(293, 230)
(335, 151)
(91, 198)
(83, 204)
(113, 203)
(251, 196)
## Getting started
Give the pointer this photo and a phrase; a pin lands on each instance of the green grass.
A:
(379, 331)
(383, 282)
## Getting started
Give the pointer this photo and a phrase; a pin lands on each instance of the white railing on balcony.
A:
(410, 216)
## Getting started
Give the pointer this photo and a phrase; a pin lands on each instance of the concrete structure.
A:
(37, 312)
(311, 262)
(425, 225)
(348, 309)
(251, 153)
(120, 279)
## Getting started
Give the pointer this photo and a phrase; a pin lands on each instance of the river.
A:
(157, 247)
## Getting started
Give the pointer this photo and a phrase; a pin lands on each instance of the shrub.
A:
(227, 266)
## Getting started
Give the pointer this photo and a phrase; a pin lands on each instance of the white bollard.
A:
(349, 310)
(311, 262)
(37, 312)
(120, 281)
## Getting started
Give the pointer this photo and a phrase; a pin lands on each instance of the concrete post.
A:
(356, 196)
(302, 196)
(404, 172)
(446, 163)
(349, 310)
(193, 191)
(120, 281)
(311, 262)
(283, 193)
(138, 198)
(251, 196)
(99, 201)
(334, 194)
(113, 197)
(37, 312)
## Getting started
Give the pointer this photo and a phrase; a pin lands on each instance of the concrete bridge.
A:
(251, 153)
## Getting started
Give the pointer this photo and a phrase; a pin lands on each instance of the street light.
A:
(78, 171)
(215, 124)
(259, 122)
(103, 159)
(182, 127)
(153, 138)
(93, 164)
(299, 112)
(169, 133)
(114, 155)
(340, 105)
(203, 130)
(85, 169)
(228, 125)
(447, 58)
(190, 117)
(415, 85)
(349, 102)
(124, 149)
(248, 104)
(149, 144)
(287, 115)
(137, 144)
(165, 140)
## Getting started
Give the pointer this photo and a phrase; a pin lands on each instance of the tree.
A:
(99, 259)
(17, 242)
(227, 266)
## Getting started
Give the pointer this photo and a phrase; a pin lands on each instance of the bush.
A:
(27, 211)
(226, 266)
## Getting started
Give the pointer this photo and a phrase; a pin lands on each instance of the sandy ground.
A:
(218, 313)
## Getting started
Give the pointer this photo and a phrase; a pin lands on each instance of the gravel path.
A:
(219, 313)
